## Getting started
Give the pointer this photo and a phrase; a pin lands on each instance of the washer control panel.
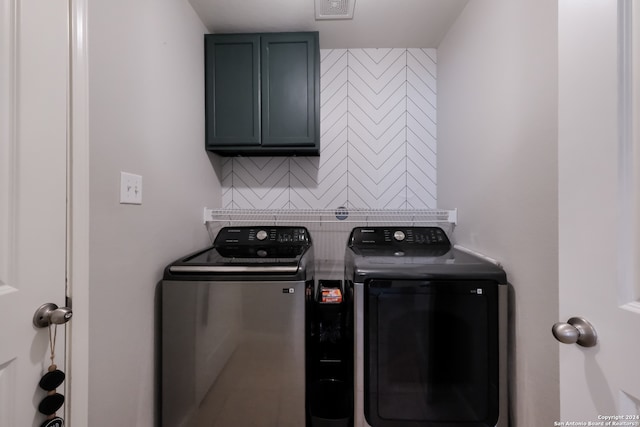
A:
(399, 236)
(274, 235)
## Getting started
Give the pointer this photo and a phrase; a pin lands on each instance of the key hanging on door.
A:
(50, 382)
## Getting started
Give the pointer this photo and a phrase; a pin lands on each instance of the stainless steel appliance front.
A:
(233, 353)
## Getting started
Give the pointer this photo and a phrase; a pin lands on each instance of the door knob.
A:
(577, 330)
(50, 314)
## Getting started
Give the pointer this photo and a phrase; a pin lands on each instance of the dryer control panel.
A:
(398, 236)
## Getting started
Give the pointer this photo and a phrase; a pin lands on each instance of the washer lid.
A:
(242, 260)
(268, 250)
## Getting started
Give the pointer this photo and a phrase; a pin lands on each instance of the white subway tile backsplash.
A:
(378, 140)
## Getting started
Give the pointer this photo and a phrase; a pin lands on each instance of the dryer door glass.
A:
(431, 353)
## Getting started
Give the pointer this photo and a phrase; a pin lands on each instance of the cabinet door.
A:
(232, 85)
(290, 90)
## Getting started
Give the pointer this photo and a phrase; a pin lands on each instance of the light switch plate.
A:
(130, 189)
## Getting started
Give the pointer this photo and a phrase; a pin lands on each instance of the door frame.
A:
(78, 216)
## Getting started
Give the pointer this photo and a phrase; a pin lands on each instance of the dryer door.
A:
(431, 353)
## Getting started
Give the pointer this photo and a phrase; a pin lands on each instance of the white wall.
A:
(146, 117)
(497, 163)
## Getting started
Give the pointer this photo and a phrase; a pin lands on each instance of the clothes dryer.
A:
(430, 327)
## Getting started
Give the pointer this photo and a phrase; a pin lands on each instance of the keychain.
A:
(50, 382)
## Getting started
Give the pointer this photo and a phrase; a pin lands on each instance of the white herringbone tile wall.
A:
(377, 143)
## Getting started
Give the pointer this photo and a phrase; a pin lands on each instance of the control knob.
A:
(399, 235)
(261, 235)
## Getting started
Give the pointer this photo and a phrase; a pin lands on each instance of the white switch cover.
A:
(130, 189)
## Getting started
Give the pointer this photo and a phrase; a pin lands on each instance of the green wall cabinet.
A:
(263, 94)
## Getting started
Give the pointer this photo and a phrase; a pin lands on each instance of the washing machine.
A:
(430, 331)
(232, 328)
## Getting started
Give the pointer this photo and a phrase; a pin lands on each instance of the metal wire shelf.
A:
(339, 215)
(332, 221)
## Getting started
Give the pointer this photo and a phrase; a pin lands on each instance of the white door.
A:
(598, 209)
(34, 62)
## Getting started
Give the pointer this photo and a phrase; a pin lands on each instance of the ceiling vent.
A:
(334, 9)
